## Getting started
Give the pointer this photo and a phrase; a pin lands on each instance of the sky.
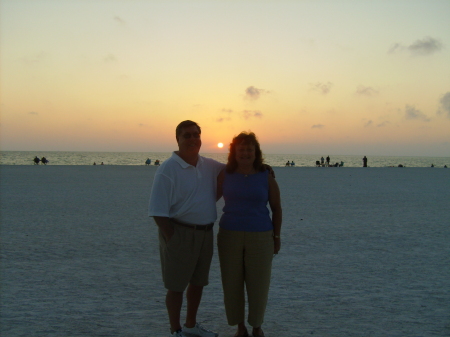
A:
(308, 77)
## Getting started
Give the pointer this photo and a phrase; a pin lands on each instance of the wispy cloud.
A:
(444, 107)
(425, 46)
(412, 113)
(119, 20)
(251, 113)
(227, 114)
(33, 59)
(109, 58)
(366, 91)
(227, 117)
(383, 124)
(369, 123)
(317, 126)
(33, 113)
(395, 47)
(323, 88)
(421, 47)
(253, 93)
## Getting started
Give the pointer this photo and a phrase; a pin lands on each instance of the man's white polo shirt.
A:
(185, 192)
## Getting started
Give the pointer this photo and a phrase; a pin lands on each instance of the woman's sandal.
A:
(262, 335)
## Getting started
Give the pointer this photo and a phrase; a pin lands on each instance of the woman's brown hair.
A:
(244, 138)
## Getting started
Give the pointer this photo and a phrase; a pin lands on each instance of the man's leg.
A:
(193, 296)
(174, 301)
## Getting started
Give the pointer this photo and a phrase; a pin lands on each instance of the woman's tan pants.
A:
(245, 259)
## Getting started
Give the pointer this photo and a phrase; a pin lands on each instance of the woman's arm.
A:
(277, 213)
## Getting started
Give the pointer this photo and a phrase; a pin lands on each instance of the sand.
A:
(365, 252)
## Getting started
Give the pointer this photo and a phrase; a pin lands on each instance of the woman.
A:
(248, 237)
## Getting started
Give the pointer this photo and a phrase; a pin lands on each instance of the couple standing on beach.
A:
(183, 205)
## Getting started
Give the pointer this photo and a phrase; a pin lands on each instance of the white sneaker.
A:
(178, 334)
(198, 331)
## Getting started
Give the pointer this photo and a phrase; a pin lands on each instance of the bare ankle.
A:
(257, 331)
(241, 327)
(190, 324)
(241, 330)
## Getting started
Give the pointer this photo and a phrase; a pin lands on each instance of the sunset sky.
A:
(308, 77)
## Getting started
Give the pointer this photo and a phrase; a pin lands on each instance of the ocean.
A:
(275, 160)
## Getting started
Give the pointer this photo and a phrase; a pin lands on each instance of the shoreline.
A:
(275, 160)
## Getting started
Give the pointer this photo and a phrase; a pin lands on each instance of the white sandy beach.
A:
(365, 252)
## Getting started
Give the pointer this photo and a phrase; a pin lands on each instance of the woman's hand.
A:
(276, 245)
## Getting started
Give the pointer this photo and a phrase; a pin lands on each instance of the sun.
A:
(220, 145)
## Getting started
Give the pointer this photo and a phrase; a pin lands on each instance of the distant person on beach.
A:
(36, 160)
(288, 163)
(322, 160)
(292, 163)
(44, 160)
(183, 205)
(248, 236)
(328, 160)
(148, 161)
(94, 163)
(365, 161)
(432, 165)
(157, 162)
(341, 164)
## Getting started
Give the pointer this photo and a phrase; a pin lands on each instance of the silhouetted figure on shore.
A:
(44, 160)
(432, 165)
(36, 160)
(288, 163)
(341, 164)
(157, 162)
(365, 161)
(328, 160)
(148, 161)
(322, 161)
(292, 163)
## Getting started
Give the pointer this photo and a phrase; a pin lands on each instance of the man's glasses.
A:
(188, 135)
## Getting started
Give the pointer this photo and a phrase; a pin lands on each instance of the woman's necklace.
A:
(246, 172)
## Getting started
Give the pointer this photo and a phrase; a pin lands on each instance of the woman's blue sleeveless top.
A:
(246, 199)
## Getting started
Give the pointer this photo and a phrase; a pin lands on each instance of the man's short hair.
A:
(185, 124)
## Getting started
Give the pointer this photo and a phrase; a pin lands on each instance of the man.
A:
(183, 205)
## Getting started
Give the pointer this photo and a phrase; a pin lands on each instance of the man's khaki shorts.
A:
(186, 257)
